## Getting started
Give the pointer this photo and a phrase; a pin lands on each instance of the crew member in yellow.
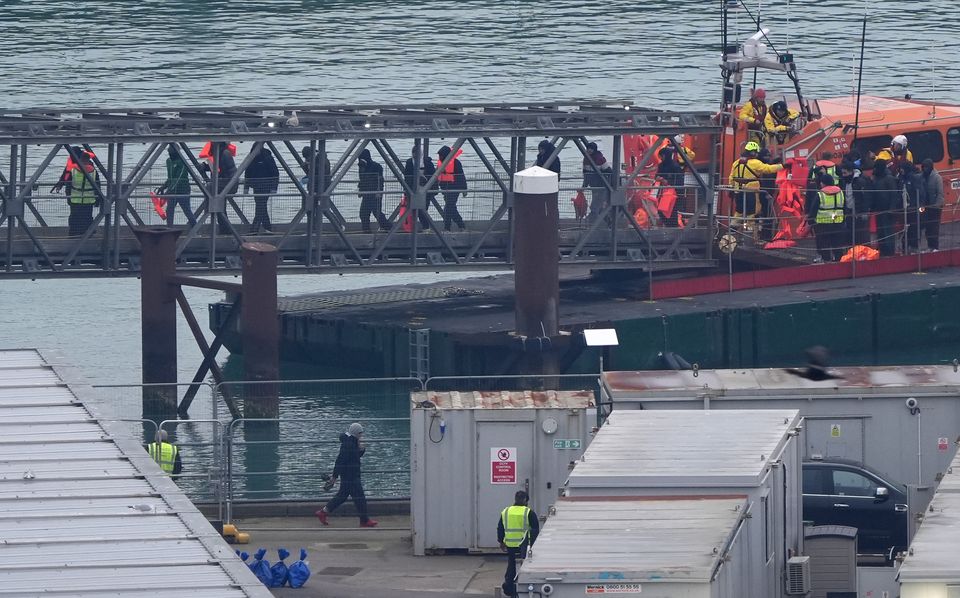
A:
(517, 529)
(754, 113)
(166, 455)
(896, 154)
(779, 121)
(745, 181)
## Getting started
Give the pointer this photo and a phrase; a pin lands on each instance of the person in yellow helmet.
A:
(745, 181)
(780, 121)
(754, 113)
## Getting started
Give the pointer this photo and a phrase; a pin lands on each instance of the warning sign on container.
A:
(943, 444)
(835, 431)
(503, 465)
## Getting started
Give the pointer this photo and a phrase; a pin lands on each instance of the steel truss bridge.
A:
(315, 226)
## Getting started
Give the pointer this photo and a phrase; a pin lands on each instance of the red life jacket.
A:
(71, 165)
(207, 152)
(447, 175)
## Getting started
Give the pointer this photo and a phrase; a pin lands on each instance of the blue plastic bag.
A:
(279, 572)
(299, 572)
(261, 567)
(243, 557)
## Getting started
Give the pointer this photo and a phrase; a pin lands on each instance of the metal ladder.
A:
(420, 353)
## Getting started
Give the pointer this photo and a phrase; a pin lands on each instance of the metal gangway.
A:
(314, 214)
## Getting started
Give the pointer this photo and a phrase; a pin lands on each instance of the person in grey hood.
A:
(347, 469)
(930, 213)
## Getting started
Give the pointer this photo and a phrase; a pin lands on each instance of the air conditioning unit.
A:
(798, 576)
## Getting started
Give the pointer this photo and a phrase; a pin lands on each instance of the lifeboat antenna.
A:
(863, 43)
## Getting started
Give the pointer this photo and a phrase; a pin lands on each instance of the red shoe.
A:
(369, 523)
(322, 516)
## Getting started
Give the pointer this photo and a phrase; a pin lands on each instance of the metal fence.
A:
(230, 461)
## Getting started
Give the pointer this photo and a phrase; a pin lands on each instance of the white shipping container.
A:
(471, 451)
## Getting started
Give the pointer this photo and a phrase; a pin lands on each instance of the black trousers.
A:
(832, 241)
(184, 202)
(350, 489)
(261, 217)
(509, 585)
(81, 217)
(886, 233)
(372, 205)
(927, 223)
(450, 212)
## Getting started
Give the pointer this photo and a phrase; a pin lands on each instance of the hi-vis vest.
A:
(164, 453)
(831, 205)
(516, 525)
(82, 192)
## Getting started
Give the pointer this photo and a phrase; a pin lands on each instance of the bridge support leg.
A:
(260, 331)
(536, 265)
(158, 317)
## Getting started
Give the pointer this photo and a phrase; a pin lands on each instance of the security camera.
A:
(911, 403)
(546, 589)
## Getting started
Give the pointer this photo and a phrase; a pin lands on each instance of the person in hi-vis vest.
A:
(517, 530)
(166, 455)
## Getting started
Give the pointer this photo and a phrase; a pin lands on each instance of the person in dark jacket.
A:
(886, 199)
(545, 149)
(857, 193)
(453, 182)
(347, 469)
(930, 218)
(263, 178)
(227, 169)
(371, 192)
(517, 530)
(315, 163)
(600, 195)
(176, 189)
(915, 193)
(410, 178)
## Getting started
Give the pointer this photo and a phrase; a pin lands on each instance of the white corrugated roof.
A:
(87, 514)
(504, 399)
(934, 549)
(651, 541)
(688, 448)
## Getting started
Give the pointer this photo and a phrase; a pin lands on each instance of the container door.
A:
(504, 465)
(834, 438)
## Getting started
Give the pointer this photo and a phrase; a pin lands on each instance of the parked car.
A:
(841, 492)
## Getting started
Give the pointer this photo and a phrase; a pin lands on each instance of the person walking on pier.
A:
(82, 195)
(411, 178)
(166, 455)
(371, 192)
(453, 182)
(227, 168)
(347, 469)
(595, 181)
(176, 189)
(517, 530)
(263, 178)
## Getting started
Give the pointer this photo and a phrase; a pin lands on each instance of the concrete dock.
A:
(348, 561)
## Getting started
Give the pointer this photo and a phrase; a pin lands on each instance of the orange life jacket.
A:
(207, 152)
(71, 165)
(447, 175)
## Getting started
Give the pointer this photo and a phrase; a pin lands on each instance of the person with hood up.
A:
(545, 149)
(930, 217)
(176, 188)
(411, 178)
(453, 182)
(857, 192)
(263, 177)
(371, 192)
(599, 194)
(670, 175)
(754, 113)
(915, 192)
(347, 469)
(886, 199)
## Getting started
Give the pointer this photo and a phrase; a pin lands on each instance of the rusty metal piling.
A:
(260, 330)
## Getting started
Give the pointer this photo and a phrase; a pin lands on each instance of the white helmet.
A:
(679, 139)
(900, 140)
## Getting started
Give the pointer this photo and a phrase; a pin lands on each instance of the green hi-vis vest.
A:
(82, 192)
(164, 453)
(831, 206)
(516, 525)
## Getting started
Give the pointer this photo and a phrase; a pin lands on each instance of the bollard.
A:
(260, 330)
(536, 272)
(158, 321)
(537, 252)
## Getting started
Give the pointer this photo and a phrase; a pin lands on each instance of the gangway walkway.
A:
(314, 210)
(85, 512)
